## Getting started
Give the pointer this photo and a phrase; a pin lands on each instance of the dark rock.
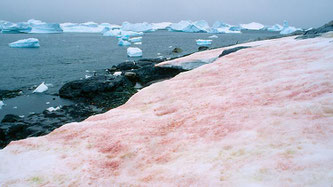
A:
(11, 118)
(317, 32)
(232, 50)
(127, 66)
(6, 94)
(177, 50)
(130, 75)
(203, 48)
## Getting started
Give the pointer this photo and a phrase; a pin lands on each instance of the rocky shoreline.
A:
(100, 93)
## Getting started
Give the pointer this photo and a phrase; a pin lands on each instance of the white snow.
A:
(135, 39)
(122, 42)
(204, 42)
(137, 27)
(1, 104)
(41, 88)
(134, 52)
(252, 26)
(25, 43)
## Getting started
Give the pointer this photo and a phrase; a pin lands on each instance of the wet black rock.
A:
(6, 94)
(203, 48)
(232, 50)
(177, 50)
(317, 32)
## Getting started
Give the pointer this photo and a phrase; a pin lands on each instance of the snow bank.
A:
(134, 52)
(25, 43)
(252, 26)
(41, 88)
(259, 117)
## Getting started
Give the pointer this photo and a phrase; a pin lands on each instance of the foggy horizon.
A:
(298, 13)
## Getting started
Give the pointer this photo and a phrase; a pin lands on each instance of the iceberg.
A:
(161, 26)
(14, 28)
(137, 27)
(288, 29)
(41, 88)
(1, 104)
(275, 28)
(35, 22)
(88, 27)
(134, 52)
(115, 32)
(188, 26)
(130, 33)
(135, 39)
(204, 42)
(220, 27)
(51, 28)
(122, 42)
(26, 43)
(252, 26)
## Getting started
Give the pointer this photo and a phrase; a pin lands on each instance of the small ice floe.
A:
(122, 42)
(26, 43)
(15, 107)
(138, 86)
(158, 54)
(41, 88)
(21, 116)
(87, 76)
(213, 36)
(135, 39)
(204, 42)
(52, 109)
(134, 52)
(87, 71)
(170, 46)
(47, 103)
(1, 104)
(117, 73)
(138, 43)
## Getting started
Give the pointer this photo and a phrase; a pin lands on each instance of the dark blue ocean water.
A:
(71, 56)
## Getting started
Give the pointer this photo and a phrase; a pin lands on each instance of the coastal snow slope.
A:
(259, 116)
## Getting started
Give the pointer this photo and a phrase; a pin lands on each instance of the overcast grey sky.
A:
(301, 13)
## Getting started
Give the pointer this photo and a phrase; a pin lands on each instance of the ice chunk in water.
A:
(204, 42)
(134, 52)
(122, 42)
(135, 39)
(41, 88)
(213, 36)
(26, 43)
(1, 104)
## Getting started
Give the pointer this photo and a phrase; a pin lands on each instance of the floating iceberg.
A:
(26, 43)
(188, 26)
(88, 27)
(288, 29)
(204, 42)
(50, 28)
(14, 28)
(130, 34)
(1, 104)
(252, 26)
(110, 26)
(134, 52)
(275, 28)
(213, 36)
(122, 42)
(137, 27)
(35, 22)
(135, 39)
(41, 88)
(115, 32)
(161, 26)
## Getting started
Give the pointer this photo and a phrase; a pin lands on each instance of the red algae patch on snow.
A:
(260, 116)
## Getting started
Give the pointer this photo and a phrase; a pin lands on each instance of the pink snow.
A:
(261, 116)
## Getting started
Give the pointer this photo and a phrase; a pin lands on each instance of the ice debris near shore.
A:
(251, 118)
(204, 42)
(52, 109)
(1, 104)
(41, 88)
(134, 52)
(25, 43)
